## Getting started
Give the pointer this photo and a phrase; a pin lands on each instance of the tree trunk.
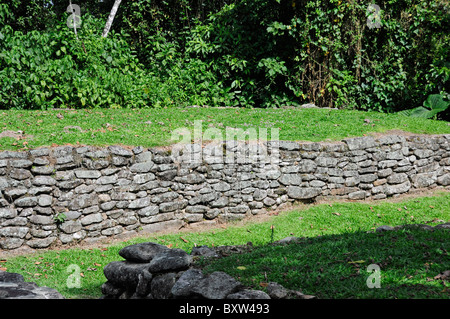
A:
(111, 18)
(73, 17)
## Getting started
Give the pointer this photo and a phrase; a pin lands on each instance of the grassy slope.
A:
(343, 235)
(336, 234)
(153, 127)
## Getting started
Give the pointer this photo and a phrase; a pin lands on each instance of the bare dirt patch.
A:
(18, 135)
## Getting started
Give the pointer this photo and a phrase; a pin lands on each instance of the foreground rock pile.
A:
(153, 271)
(13, 286)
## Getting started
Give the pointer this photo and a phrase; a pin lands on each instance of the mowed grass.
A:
(338, 244)
(154, 127)
(336, 266)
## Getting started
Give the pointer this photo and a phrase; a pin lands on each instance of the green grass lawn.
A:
(336, 235)
(153, 127)
(335, 266)
(330, 262)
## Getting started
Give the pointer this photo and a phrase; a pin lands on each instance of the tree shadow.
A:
(337, 266)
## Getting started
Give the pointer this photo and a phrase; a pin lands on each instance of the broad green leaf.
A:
(436, 102)
(421, 112)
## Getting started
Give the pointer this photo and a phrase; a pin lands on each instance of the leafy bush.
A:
(54, 69)
(252, 53)
(273, 53)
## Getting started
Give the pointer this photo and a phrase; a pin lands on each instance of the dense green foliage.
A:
(252, 53)
(50, 69)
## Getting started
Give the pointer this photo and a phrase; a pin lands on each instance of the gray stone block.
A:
(296, 192)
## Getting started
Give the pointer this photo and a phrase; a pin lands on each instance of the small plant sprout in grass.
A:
(272, 232)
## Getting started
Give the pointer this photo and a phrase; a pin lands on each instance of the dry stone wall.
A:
(64, 195)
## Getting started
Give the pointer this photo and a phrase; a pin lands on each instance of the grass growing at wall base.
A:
(330, 262)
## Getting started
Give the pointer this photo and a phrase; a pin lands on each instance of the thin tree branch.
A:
(110, 20)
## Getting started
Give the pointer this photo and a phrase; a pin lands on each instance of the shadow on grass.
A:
(336, 266)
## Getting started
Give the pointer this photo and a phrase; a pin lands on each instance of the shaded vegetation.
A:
(335, 266)
(263, 53)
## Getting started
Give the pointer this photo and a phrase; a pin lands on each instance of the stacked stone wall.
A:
(65, 195)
